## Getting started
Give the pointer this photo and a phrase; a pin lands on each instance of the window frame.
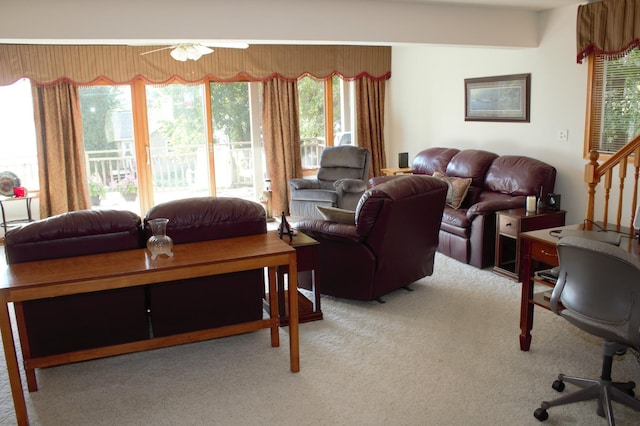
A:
(594, 101)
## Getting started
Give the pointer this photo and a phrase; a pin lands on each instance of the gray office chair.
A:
(598, 290)
(341, 181)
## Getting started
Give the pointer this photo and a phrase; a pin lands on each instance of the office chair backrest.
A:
(598, 287)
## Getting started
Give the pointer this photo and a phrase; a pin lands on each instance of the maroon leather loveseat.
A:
(498, 182)
(70, 323)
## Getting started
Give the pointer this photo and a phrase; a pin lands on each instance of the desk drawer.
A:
(544, 253)
(509, 225)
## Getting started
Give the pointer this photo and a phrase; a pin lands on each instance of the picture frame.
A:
(500, 98)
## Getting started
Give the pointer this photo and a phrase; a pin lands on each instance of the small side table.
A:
(509, 225)
(397, 171)
(6, 224)
(308, 259)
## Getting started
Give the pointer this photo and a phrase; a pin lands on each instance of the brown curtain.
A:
(610, 28)
(84, 64)
(63, 182)
(370, 119)
(281, 134)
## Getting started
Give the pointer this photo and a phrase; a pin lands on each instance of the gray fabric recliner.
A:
(341, 181)
(598, 291)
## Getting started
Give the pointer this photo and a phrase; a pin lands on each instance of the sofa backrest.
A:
(208, 218)
(519, 175)
(338, 162)
(74, 233)
(431, 160)
(471, 163)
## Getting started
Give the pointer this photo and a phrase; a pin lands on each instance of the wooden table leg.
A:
(273, 308)
(13, 370)
(526, 307)
(294, 338)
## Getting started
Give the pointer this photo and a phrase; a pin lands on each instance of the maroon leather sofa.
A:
(84, 321)
(391, 244)
(498, 182)
(215, 301)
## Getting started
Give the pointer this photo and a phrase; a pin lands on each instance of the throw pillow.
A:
(458, 188)
(334, 214)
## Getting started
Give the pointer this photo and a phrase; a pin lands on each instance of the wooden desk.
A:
(538, 251)
(74, 275)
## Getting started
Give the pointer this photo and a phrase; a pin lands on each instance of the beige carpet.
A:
(444, 354)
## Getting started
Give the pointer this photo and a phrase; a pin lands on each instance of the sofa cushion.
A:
(432, 160)
(457, 188)
(208, 218)
(518, 175)
(334, 214)
(455, 221)
(471, 163)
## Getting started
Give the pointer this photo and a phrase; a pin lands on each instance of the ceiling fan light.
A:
(179, 53)
(202, 49)
(193, 53)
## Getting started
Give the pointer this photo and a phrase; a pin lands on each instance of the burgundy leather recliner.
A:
(391, 244)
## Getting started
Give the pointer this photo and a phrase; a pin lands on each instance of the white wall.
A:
(425, 103)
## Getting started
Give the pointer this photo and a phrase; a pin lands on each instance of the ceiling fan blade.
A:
(227, 45)
(157, 50)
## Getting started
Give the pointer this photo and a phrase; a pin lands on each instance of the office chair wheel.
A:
(541, 414)
(558, 385)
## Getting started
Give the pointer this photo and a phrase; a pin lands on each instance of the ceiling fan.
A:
(194, 51)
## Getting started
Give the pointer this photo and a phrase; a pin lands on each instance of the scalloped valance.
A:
(82, 64)
(610, 28)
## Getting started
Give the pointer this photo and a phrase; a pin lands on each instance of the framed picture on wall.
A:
(501, 98)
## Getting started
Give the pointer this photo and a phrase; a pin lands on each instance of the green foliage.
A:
(621, 101)
(96, 186)
(311, 100)
(230, 110)
(96, 106)
(185, 125)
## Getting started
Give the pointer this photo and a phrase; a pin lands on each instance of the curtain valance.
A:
(609, 28)
(82, 64)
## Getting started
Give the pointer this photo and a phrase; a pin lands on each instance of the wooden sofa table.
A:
(74, 275)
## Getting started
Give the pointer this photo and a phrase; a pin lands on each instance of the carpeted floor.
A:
(444, 354)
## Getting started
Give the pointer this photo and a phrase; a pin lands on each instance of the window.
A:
(18, 134)
(146, 144)
(326, 116)
(614, 105)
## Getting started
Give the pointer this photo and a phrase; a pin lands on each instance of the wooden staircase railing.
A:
(593, 173)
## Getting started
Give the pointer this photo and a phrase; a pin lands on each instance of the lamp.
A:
(192, 51)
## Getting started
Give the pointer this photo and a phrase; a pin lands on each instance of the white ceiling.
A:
(524, 4)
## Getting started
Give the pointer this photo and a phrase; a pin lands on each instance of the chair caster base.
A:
(541, 414)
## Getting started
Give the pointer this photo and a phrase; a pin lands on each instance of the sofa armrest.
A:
(350, 185)
(301, 183)
(323, 229)
(488, 207)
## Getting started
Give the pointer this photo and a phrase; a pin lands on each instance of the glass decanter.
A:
(159, 243)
